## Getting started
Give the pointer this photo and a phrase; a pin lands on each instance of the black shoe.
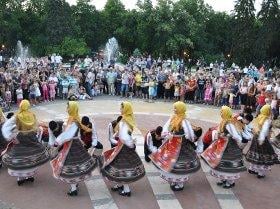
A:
(176, 189)
(252, 172)
(228, 186)
(20, 182)
(30, 179)
(260, 177)
(117, 188)
(123, 193)
(73, 193)
(221, 183)
(0, 165)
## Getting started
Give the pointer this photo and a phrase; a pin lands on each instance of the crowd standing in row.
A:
(46, 79)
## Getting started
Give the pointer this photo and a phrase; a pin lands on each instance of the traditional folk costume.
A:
(25, 153)
(261, 154)
(3, 142)
(153, 140)
(121, 163)
(176, 158)
(224, 155)
(73, 163)
(275, 136)
(113, 134)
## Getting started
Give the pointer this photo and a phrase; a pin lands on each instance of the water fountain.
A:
(22, 53)
(111, 50)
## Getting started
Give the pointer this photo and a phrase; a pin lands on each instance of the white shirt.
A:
(124, 136)
(111, 134)
(68, 135)
(58, 59)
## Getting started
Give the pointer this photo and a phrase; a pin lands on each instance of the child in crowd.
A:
(52, 86)
(231, 99)
(65, 86)
(167, 90)
(32, 93)
(260, 101)
(182, 92)
(8, 97)
(19, 94)
(208, 93)
(225, 94)
(151, 89)
(177, 91)
(45, 90)
(38, 92)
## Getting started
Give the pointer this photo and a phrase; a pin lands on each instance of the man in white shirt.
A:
(125, 82)
(88, 61)
(58, 59)
(89, 82)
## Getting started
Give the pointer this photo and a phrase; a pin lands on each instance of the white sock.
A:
(181, 184)
(229, 182)
(261, 172)
(126, 188)
(73, 187)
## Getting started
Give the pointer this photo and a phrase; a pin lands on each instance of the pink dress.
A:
(52, 90)
(45, 91)
(208, 93)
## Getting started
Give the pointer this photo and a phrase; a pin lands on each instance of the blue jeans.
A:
(88, 88)
(124, 88)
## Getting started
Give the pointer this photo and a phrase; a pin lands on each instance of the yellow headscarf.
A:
(176, 120)
(2, 116)
(73, 112)
(127, 115)
(263, 116)
(226, 115)
(26, 120)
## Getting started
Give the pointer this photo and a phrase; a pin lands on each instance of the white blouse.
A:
(124, 136)
(10, 131)
(264, 131)
(112, 135)
(69, 133)
(188, 132)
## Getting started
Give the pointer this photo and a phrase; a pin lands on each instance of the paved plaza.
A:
(151, 192)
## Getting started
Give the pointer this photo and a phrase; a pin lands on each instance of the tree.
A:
(89, 21)
(70, 46)
(243, 41)
(114, 12)
(58, 21)
(269, 33)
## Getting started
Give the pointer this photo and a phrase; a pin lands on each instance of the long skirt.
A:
(262, 154)
(122, 165)
(225, 159)
(73, 163)
(22, 159)
(176, 159)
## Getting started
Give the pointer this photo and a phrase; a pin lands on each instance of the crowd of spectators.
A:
(49, 78)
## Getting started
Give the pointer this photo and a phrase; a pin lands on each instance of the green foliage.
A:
(182, 29)
(136, 53)
(70, 46)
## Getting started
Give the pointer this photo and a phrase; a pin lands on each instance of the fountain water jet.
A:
(111, 50)
(22, 53)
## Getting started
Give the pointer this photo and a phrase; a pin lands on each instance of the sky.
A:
(218, 5)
